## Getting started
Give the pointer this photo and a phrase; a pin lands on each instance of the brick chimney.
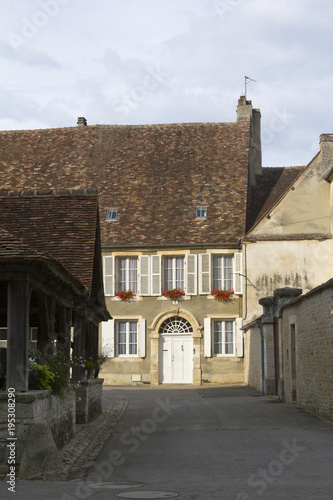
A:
(245, 110)
(81, 121)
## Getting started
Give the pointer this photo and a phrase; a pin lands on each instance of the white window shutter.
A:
(238, 283)
(191, 274)
(239, 338)
(155, 261)
(109, 275)
(108, 338)
(207, 338)
(142, 338)
(144, 267)
(204, 273)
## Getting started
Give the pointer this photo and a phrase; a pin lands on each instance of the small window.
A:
(201, 212)
(111, 214)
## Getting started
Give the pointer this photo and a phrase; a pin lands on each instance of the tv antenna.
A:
(248, 79)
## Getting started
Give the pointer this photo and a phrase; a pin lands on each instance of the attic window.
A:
(111, 214)
(201, 212)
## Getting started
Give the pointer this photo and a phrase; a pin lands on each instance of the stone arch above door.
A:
(175, 312)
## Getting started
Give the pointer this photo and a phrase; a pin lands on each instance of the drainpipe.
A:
(259, 325)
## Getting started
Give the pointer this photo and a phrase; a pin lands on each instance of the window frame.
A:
(201, 212)
(110, 212)
(223, 342)
(127, 342)
(128, 283)
(174, 270)
(224, 278)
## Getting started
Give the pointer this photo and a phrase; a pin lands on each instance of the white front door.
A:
(176, 359)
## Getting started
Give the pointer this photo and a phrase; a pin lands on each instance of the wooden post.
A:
(18, 334)
(79, 343)
(64, 332)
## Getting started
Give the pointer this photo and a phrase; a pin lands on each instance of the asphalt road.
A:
(203, 443)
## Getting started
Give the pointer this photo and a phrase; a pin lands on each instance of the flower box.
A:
(222, 295)
(174, 294)
(125, 295)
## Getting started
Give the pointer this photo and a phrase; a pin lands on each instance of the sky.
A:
(171, 61)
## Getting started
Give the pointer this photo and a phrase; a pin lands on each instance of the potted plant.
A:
(89, 367)
(125, 295)
(222, 295)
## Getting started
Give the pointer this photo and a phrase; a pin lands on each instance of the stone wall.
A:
(58, 412)
(307, 337)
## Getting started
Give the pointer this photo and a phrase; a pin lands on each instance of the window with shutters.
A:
(220, 271)
(127, 338)
(223, 337)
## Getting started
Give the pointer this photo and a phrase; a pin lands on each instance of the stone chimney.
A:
(245, 110)
(81, 121)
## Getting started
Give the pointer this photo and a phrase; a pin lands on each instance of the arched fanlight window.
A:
(175, 326)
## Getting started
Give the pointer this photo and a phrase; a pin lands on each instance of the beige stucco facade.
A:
(198, 309)
(292, 246)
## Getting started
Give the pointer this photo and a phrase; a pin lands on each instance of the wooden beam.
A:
(18, 334)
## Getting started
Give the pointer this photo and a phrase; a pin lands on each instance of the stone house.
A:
(176, 203)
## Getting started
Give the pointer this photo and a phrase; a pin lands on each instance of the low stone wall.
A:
(89, 400)
(58, 412)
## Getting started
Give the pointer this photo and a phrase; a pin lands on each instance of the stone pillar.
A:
(154, 353)
(269, 353)
(197, 335)
(272, 338)
(18, 334)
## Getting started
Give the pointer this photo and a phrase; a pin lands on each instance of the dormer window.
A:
(201, 212)
(111, 214)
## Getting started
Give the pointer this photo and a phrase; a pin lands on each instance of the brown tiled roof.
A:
(12, 247)
(62, 227)
(154, 174)
(269, 188)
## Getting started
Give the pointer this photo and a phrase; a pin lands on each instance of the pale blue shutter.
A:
(144, 268)
(238, 265)
(204, 273)
(207, 338)
(108, 338)
(191, 274)
(239, 338)
(155, 274)
(142, 338)
(109, 275)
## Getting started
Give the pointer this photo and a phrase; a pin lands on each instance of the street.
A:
(203, 443)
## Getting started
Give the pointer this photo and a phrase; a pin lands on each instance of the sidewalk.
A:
(79, 454)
